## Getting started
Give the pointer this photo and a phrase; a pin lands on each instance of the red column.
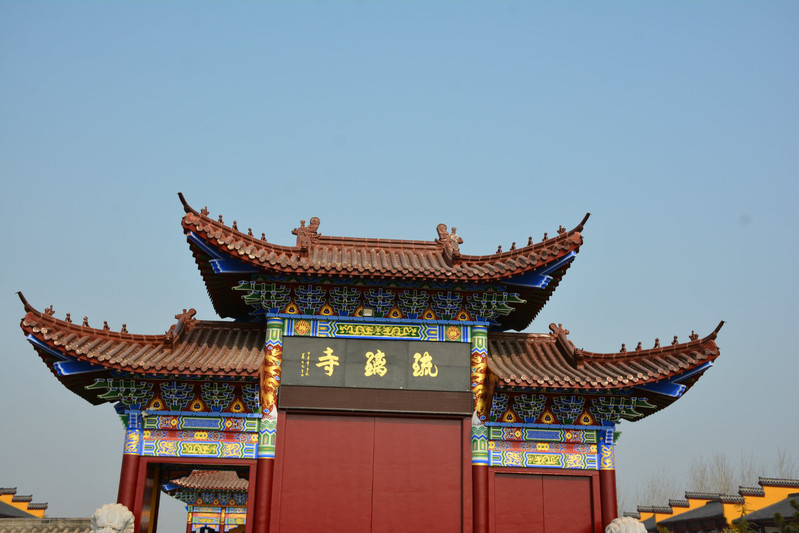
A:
(607, 487)
(480, 498)
(263, 495)
(607, 477)
(127, 481)
(131, 456)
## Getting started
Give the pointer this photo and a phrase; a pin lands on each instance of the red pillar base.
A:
(128, 481)
(607, 487)
(480, 498)
(263, 495)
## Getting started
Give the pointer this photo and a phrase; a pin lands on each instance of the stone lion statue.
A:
(625, 524)
(112, 518)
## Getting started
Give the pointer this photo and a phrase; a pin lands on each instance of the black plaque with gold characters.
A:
(376, 364)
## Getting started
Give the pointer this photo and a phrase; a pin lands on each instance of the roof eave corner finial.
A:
(715, 332)
(581, 225)
(28, 307)
(186, 207)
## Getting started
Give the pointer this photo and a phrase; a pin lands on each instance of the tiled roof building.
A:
(13, 505)
(213, 498)
(383, 372)
(703, 512)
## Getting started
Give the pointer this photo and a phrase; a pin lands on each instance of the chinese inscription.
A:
(423, 365)
(328, 361)
(376, 363)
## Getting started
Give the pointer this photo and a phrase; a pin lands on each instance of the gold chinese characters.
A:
(423, 365)
(375, 364)
(328, 361)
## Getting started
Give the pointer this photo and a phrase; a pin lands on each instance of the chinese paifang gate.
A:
(368, 385)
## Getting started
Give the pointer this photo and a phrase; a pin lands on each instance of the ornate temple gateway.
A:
(368, 385)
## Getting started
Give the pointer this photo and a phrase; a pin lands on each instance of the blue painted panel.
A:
(68, 368)
(231, 266)
(540, 277)
(672, 387)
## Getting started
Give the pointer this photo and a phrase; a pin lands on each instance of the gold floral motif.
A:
(453, 333)
(302, 327)
(376, 330)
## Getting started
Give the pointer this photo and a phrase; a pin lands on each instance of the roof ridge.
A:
(655, 509)
(751, 491)
(308, 237)
(531, 247)
(731, 498)
(48, 315)
(696, 495)
(778, 482)
(657, 349)
(185, 322)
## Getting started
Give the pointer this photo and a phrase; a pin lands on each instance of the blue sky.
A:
(675, 124)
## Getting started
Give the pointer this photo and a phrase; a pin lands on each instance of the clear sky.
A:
(676, 124)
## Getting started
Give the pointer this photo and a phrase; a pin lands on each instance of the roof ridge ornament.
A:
(581, 225)
(572, 355)
(714, 333)
(185, 321)
(186, 207)
(307, 235)
(449, 243)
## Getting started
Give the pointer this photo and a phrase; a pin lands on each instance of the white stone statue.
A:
(112, 518)
(625, 524)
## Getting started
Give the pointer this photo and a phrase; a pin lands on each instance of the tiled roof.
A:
(679, 503)
(766, 514)
(702, 495)
(660, 509)
(190, 347)
(19, 505)
(318, 254)
(731, 498)
(219, 480)
(9, 511)
(207, 348)
(552, 361)
(751, 491)
(222, 253)
(778, 482)
(711, 510)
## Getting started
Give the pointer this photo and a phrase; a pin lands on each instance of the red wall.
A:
(364, 473)
(386, 474)
(544, 501)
